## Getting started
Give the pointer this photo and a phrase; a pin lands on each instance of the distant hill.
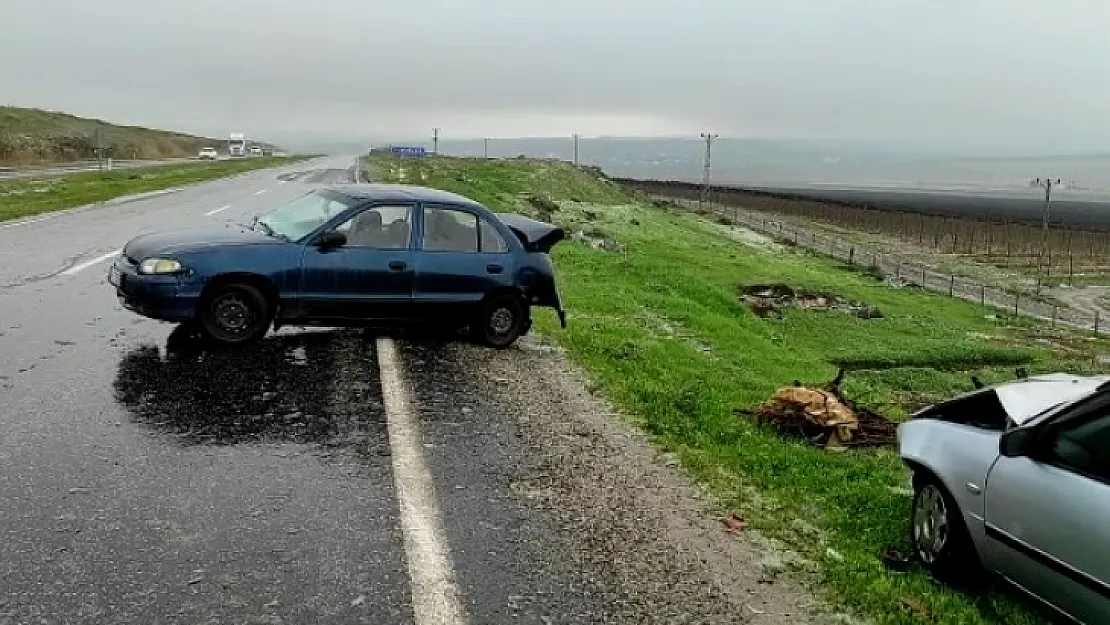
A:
(31, 136)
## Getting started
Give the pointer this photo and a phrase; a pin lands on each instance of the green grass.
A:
(662, 333)
(25, 198)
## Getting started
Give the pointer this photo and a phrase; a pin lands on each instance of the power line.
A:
(435, 140)
(575, 135)
(485, 148)
(703, 197)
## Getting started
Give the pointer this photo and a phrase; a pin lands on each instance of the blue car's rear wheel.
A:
(234, 314)
(501, 320)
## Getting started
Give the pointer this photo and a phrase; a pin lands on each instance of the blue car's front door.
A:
(461, 258)
(368, 277)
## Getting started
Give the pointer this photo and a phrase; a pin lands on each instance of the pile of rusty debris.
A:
(770, 300)
(824, 417)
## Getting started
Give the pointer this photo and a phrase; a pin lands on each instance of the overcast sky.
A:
(952, 72)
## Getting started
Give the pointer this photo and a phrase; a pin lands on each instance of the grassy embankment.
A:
(24, 198)
(659, 328)
(33, 136)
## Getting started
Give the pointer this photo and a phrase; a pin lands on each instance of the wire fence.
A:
(902, 272)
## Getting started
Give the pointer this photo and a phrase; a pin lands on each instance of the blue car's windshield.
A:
(300, 217)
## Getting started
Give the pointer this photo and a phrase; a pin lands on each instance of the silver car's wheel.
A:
(930, 524)
(937, 531)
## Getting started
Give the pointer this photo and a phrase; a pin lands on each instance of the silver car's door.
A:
(1048, 514)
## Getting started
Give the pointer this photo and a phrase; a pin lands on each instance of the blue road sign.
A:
(400, 150)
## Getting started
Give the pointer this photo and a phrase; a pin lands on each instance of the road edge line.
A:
(436, 599)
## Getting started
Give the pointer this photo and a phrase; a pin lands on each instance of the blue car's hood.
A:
(158, 243)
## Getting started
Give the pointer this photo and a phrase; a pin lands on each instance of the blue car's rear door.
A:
(370, 277)
(461, 258)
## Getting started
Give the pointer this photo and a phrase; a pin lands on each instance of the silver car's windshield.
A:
(297, 219)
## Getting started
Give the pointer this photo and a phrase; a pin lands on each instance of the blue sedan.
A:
(348, 256)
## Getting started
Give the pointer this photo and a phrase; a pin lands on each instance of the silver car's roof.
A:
(1023, 399)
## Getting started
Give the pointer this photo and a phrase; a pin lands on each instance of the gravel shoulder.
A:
(643, 538)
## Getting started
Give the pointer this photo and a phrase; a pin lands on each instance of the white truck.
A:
(237, 144)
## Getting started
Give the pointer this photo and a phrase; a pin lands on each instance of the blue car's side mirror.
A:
(330, 240)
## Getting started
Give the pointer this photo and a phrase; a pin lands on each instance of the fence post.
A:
(1096, 322)
(923, 279)
(982, 295)
(951, 284)
(1017, 296)
(898, 271)
(1071, 268)
(1053, 315)
(851, 256)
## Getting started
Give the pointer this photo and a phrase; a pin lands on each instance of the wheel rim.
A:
(233, 315)
(501, 322)
(930, 524)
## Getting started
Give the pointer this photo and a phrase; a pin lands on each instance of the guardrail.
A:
(62, 169)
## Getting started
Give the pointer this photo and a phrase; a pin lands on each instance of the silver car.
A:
(1016, 478)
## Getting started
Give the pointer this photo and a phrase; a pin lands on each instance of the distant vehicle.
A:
(208, 154)
(348, 256)
(1016, 478)
(256, 151)
(237, 144)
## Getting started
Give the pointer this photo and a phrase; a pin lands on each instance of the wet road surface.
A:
(312, 478)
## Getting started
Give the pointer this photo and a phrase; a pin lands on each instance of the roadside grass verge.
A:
(658, 325)
(26, 198)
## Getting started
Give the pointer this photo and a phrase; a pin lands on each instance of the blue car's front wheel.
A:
(234, 314)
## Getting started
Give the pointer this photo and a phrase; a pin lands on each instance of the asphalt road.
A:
(321, 476)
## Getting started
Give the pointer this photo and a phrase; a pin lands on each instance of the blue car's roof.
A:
(399, 193)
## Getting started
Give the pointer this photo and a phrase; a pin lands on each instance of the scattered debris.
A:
(770, 300)
(913, 606)
(895, 560)
(545, 206)
(195, 581)
(598, 240)
(825, 417)
(734, 523)
(359, 600)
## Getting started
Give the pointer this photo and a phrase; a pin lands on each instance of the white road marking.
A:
(89, 263)
(435, 593)
(26, 222)
(261, 191)
(219, 210)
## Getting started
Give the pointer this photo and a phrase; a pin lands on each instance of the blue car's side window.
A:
(449, 230)
(380, 227)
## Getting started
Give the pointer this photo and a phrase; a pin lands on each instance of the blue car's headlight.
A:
(159, 266)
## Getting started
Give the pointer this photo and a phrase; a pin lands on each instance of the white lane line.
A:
(89, 263)
(219, 210)
(26, 222)
(261, 191)
(435, 593)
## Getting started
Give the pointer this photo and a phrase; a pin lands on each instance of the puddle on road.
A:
(312, 387)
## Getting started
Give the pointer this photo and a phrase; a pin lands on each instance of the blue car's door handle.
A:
(397, 265)
(493, 268)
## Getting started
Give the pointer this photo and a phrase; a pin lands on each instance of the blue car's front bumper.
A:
(166, 298)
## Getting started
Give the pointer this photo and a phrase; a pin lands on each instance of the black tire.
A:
(500, 321)
(234, 314)
(938, 535)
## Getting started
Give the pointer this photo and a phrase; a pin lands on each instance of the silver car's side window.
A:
(1085, 447)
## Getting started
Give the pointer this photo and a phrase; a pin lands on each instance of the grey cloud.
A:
(973, 72)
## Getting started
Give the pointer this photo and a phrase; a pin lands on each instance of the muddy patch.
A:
(748, 237)
(772, 300)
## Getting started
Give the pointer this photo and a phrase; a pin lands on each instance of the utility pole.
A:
(98, 140)
(485, 148)
(435, 140)
(703, 197)
(1046, 184)
(575, 135)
